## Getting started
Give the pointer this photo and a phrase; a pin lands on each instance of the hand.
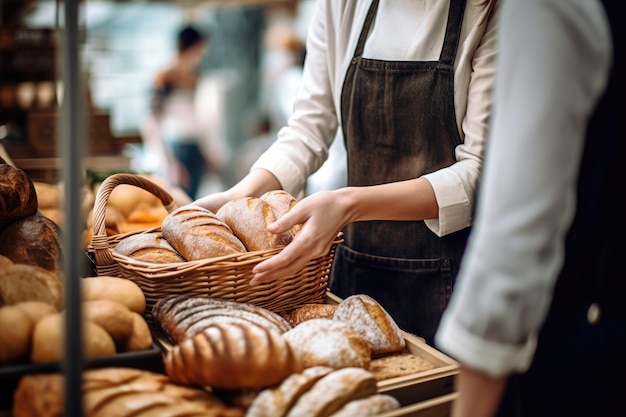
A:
(322, 216)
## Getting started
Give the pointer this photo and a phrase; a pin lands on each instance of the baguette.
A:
(197, 233)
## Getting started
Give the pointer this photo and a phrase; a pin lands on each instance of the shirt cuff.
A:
(494, 359)
(454, 204)
(284, 170)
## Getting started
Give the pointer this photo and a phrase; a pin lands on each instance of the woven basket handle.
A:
(99, 240)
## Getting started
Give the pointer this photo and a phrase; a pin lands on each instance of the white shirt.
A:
(553, 65)
(411, 30)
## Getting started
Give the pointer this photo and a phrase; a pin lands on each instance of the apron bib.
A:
(399, 123)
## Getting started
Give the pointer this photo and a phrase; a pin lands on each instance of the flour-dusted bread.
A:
(182, 316)
(334, 391)
(312, 311)
(373, 322)
(372, 405)
(326, 342)
(20, 282)
(18, 197)
(282, 202)
(197, 233)
(232, 356)
(149, 247)
(248, 217)
(276, 401)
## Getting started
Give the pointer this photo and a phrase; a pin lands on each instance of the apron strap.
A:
(371, 12)
(453, 32)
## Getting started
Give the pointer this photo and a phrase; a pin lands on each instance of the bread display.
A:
(117, 289)
(312, 311)
(118, 392)
(113, 317)
(149, 247)
(373, 322)
(326, 342)
(197, 233)
(34, 240)
(334, 391)
(18, 198)
(248, 217)
(282, 202)
(242, 355)
(19, 282)
(180, 316)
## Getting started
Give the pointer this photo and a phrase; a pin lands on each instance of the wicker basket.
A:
(224, 277)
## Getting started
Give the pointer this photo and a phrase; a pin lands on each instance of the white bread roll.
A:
(232, 356)
(326, 342)
(373, 322)
(197, 233)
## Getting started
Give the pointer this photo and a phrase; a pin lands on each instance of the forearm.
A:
(404, 200)
(479, 394)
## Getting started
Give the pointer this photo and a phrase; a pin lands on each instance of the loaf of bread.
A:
(118, 392)
(112, 316)
(182, 316)
(232, 356)
(149, 247)
(334, 391)
(326, 342)
(112, 288)
(277, 401)
(373, 322)
(197, 233)
(248, 217)
(20, 282)
(372, 405)
(18, 197)
(311, 311)
(282, 202)
(15, 335)
(34, 240)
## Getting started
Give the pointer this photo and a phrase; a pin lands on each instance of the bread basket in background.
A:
(224, 277)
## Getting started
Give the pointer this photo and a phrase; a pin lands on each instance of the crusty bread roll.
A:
(34, 240)
(197, 233)
(248, 217)
(18, 197)
(372, 405)
(232, 356)
(333, 391)
(19, 282)
(112, 316)
(282, 202)
(15, 335)
(372, 321)
(326, 342)
(118, 392)
(276, 401)
(140, 337)
(149, 247)
(181, 316)
(48, 340)
(36, 310)
(112, 288)
(312, 311)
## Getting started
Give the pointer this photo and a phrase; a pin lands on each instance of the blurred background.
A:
(247, 79)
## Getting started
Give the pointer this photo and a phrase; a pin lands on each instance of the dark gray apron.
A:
(399, 123)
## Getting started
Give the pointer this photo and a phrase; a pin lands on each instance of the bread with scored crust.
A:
(282, 202)
(149, 247)
(197, 233)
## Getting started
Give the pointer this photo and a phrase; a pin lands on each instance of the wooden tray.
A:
(435, 407)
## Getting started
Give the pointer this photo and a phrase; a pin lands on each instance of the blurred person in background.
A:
(538, 317)
(409, 83)
(173, 130)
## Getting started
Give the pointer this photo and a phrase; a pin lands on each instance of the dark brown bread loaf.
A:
(197, 233)
(149, 247)
(34, 240)
(18, 198)
(248, 218)
(232, 356)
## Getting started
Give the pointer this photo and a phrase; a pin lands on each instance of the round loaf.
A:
(15, 335)
(373, 322)
(197, 233)
(326, 342)
(333, 391)
(149, 247)
(19, 282)
(140, 337)
(18, 197)
(117, 289)
(232, 356)
(369, 406)
(282, 202)
(248, 217)
(34, 240)
(312, 311)
(112, 316)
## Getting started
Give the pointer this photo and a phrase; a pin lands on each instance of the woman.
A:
(409, 83)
